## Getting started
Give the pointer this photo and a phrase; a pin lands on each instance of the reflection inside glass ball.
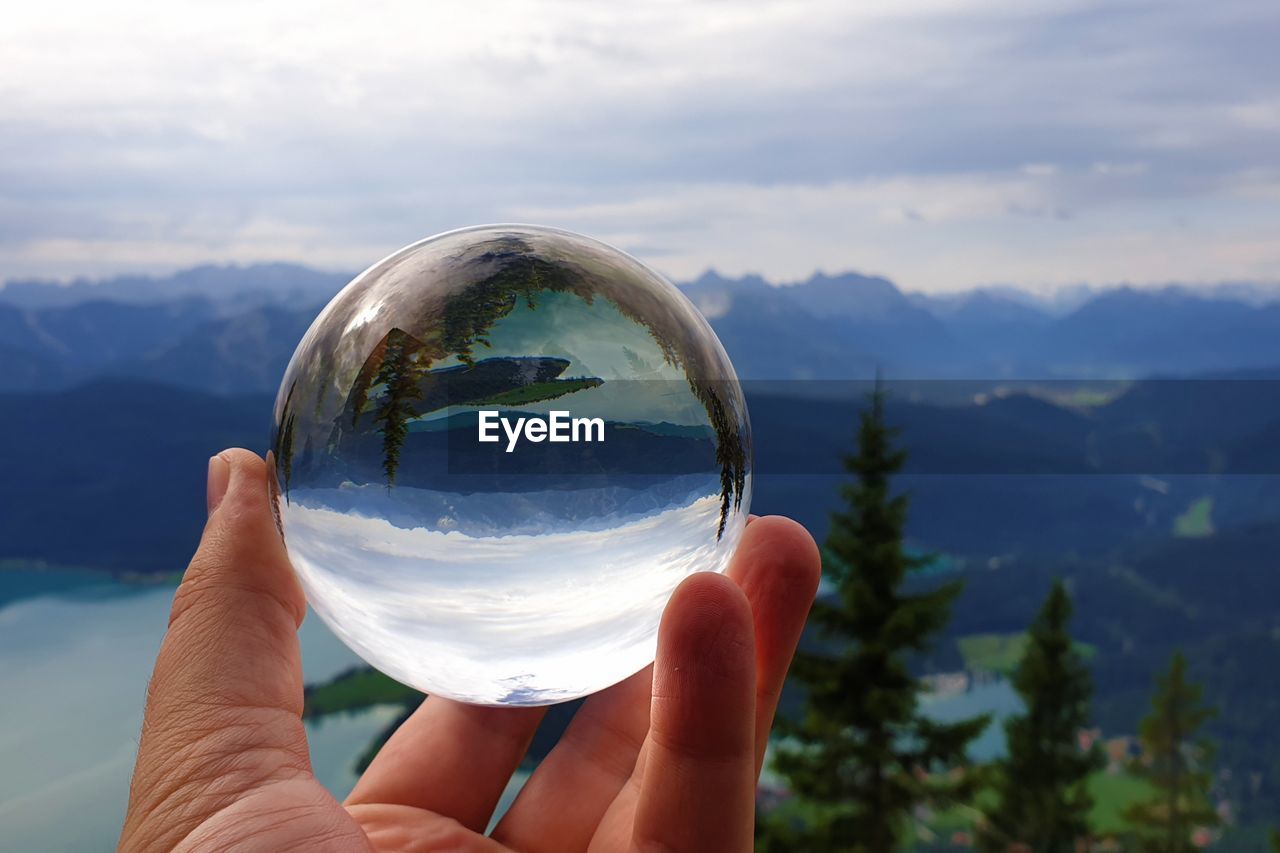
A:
(497, 452)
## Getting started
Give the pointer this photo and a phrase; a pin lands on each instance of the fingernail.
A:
(219, 478)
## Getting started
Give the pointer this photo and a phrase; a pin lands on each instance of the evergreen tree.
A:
(862, 758)
(282, 441)
(401, 375)
(286, 452)
(1175, 761)
(1043, 800)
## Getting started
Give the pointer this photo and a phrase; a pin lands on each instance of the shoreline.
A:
(131, 578)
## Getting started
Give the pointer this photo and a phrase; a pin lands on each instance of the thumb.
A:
(225, 701)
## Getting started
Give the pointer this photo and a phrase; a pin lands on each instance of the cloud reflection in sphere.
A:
(533, 566)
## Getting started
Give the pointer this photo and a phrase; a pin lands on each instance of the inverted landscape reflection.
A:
(507, 572)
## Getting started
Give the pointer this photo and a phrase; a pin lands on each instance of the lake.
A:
(76, 651)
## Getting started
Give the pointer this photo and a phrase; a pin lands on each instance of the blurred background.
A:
(1050, 229)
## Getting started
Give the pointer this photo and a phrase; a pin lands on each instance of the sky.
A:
(942, 144)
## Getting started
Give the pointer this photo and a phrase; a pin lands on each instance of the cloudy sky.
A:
(944, 144)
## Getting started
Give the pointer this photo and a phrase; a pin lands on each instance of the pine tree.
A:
(282, 441)
(286, 451)
(863, 758)
(1175, 761)
(401, 375)
(1043, 800)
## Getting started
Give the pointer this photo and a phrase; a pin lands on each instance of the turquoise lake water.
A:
(75, 655)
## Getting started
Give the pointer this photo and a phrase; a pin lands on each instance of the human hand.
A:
(665, 760)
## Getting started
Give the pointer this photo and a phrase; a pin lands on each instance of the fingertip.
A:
(245, 506)
(707, 599)
(246, 473)
(240, 456)
(784, 550)
(241, 544)
(784, 532)
(706, 628)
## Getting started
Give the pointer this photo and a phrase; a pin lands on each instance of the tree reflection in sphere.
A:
(507, 572)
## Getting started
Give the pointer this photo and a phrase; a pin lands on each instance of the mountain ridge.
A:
(233, 329)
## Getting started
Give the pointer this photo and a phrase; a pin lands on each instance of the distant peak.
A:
(849, 278)
(713, 278)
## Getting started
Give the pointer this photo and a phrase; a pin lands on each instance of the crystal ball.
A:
(496, 454)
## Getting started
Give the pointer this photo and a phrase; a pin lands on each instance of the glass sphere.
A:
(497, 452)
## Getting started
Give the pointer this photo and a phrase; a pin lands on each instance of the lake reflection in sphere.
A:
(508, 572)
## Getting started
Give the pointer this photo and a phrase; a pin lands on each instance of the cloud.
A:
(133, 137)
(481, 617)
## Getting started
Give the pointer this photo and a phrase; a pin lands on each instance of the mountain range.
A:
(233, 329)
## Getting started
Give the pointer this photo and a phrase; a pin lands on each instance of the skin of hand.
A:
(666, 760)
